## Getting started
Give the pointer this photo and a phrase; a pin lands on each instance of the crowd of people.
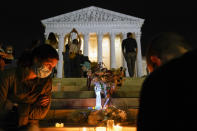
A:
(167, 98)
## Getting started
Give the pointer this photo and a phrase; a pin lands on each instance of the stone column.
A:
(112, 51)
(124, 61)
(100, 48)
(86, 46)
(46, 35)
(139, 55)
(60, 50)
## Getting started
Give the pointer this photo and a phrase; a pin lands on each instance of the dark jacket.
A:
(27, 94)
(129, 44)
(168, 96)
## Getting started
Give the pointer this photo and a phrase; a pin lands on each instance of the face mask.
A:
(42, 71)
(9, 52)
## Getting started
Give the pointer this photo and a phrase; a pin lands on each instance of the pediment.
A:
(92, 14)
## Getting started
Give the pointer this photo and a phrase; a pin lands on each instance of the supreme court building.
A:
(101, 31)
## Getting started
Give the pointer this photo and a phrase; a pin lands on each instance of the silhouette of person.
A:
(75, 44)
(67, 65)
(74, 56)
(163, 47)
(167, 97)
(52, 40)
(129, 50)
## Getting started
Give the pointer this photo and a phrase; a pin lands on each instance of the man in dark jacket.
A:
(168, 96)
(129, 50)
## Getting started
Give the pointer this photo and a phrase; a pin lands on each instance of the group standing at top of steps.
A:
(75, 63)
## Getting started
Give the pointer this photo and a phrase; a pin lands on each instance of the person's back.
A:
(168, 98)
(67, 66)
(75, 44)
(129, 50)
(129, 44)
(52, 40)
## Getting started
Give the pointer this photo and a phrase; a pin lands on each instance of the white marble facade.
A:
(98, 22)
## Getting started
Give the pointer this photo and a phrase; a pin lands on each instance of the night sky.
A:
(18, 18)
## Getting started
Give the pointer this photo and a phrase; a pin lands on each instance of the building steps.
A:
(70, 95)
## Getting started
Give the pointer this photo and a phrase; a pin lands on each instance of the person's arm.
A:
(78, 37)
(39, 109)
(136, 49)
(4, 83)
(6, 56)
(79, 45)
(123, 46)
(69, 40)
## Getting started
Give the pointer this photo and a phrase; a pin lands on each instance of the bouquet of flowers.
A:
(100, 117)
(109, 80)
(105, 82)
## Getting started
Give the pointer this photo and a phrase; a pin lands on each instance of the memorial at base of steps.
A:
(71, 102)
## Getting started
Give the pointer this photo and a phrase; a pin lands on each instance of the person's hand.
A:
(10, 56)
(44, 101)
(23, 120)
(74, 30)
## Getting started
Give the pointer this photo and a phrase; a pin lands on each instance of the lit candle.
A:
(61, 124)
(110, 125)
(100, 129)
(117, 128)
(57, 125)
(84, 129)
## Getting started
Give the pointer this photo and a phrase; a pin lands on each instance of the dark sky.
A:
(20, 18)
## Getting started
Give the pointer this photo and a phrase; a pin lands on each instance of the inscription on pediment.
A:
(90, 15)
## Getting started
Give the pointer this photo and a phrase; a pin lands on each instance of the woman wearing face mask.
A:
(25, 91)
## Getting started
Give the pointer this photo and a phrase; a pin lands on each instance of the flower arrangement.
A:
(109, 80)
(100, 117)
(105, 82)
